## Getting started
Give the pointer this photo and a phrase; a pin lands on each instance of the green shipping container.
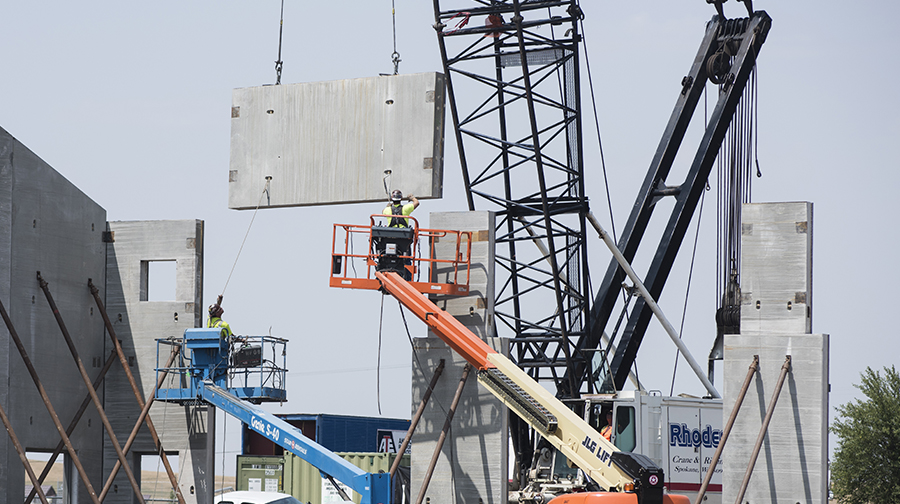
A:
(304, 481)
(260, 473)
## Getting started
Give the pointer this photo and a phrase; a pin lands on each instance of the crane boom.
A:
(560, 426)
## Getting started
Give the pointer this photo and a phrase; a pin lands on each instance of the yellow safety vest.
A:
(217, 322)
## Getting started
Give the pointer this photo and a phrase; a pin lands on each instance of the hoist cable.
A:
(416, 356)
(687, 292)
(265, 191)
(378, 363)
(395, 56)
(587, 63)
(278, 62)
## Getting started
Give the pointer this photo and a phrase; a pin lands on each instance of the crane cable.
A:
(378, 361)
(278, 62)
(587, 64)
(265, 192)
(395, 56)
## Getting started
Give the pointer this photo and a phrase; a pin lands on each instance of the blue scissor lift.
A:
(235, 374)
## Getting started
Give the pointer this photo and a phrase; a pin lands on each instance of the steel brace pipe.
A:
(443, 436)
(764, 428)
(754, 367)
(71, 428)
(37, 382)
(140, 420)
(22, 455)
(87, 381)
(137, 395)
(415, 421)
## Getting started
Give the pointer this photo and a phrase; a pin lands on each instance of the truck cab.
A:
(680, 434)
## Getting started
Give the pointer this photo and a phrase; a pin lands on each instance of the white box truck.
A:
(680, 434)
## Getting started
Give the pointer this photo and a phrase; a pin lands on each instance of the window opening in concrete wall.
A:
(54, 483)
(155, 484)
(158, 280)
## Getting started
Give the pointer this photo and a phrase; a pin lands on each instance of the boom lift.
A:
(600, 460)
(236, 380)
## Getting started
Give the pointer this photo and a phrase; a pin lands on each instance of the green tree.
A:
(866, 466)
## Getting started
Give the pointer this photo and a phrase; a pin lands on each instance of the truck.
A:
(679, 434)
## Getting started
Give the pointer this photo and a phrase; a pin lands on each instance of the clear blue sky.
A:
(131, 101)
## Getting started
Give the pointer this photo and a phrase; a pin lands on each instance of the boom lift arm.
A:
(560, 426)
(374, 488)
(223, 378)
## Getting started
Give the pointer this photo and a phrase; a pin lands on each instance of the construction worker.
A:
(607, 431)
(397, 208)
(215, 318)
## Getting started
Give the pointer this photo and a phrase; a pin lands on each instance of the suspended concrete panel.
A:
(337, 141)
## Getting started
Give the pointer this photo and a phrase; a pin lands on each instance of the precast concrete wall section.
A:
(776, 321)
(139, 322)
(476, 310)
(337, 141)
(776, 268)
(473, 463)
(48, 225)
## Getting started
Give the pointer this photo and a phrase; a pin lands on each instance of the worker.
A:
(607, 431)
(397, 208)
(215, 318)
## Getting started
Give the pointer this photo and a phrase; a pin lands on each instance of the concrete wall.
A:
(47, 225)
(793, 462)
(776, 268)
(472, 465)
(476, 310)
(138, 324)
(776, 320)
(332, 142)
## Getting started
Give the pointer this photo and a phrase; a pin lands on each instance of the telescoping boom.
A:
(560, 426)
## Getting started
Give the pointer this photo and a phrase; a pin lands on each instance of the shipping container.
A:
(338, 433)
(300, 479)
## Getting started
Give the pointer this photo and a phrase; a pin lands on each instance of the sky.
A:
(131, 103)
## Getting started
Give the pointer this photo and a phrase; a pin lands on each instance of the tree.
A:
(866, 466)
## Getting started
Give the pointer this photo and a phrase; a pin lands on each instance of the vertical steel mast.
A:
(512, 73)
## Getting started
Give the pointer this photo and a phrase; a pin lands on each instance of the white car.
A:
(255, 497)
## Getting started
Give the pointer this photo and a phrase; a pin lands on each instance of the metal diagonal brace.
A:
(785, 368)
(71, 428)
(87, 381)
(22, 456)
(137, 395)
(440, 442)
(415, 420)
(754, 367)
(37, 382)
(137, 425)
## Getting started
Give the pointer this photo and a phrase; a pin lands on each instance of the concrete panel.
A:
(476, 310)
(776, 268)
(793, 461)
(139, 324)
(332, 142)
(472, 465)
(47, 225)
